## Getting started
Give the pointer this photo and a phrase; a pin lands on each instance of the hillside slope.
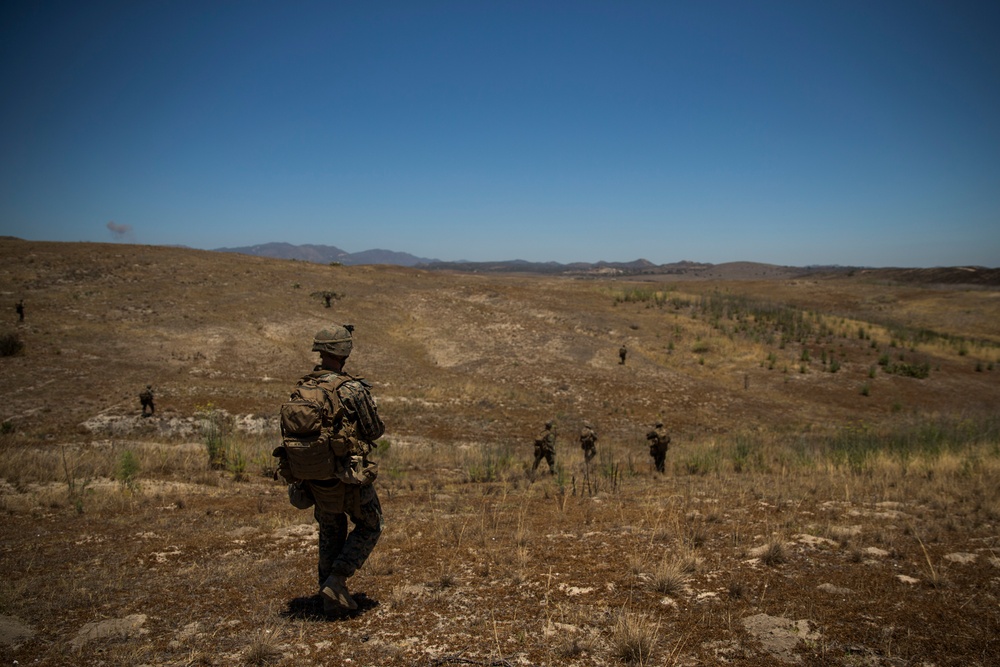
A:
(456, 356)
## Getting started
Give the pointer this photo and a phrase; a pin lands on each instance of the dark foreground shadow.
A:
(311, 609)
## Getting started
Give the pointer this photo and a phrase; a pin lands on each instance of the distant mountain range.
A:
(326, 254)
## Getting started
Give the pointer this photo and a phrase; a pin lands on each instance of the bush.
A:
(11, 345)
(127, 469)
(919, 371)
(633, 638)
(216, 429)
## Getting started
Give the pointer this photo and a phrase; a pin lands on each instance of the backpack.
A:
(328, 427)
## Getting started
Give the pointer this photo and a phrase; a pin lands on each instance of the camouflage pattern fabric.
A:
(588, 440)
(340, 552)
(146, 400)
(659, 442)
(545, 447)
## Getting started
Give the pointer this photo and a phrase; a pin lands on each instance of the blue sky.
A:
(798, 132)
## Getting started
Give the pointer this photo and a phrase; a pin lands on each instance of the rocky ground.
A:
(761, 545)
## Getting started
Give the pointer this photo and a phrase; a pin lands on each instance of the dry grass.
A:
(633, 638)
(480, 559)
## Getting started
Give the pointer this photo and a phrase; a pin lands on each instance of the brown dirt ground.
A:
(782, 564)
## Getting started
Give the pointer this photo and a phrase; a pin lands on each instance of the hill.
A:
(326, 254)
(831, 492)
(683, 270)
(233, 330)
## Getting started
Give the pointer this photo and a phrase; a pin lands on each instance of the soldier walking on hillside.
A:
(588, 440)
(19, 308)
(146, 400)
(327, 468)
(545, 447)
(659, 442)
(622, 352)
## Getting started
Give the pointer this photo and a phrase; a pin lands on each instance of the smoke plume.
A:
(119, 232)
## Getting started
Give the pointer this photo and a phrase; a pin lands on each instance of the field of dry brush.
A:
(831, 494)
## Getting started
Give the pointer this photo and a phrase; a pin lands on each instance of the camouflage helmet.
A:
(336, 340)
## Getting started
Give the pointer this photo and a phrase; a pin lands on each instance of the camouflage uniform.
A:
(19, 307)
(341, 552)
(146, 399)
(545, 447)
(588, 440)
(659, 442)
(622, 351)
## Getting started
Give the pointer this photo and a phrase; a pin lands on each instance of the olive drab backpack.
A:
(328, 427)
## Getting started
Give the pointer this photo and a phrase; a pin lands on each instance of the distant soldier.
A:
(622, 352)
(326, 298)
(588, 441)
(19, 307)
(545, 447)
(659, 442)
(146, 399)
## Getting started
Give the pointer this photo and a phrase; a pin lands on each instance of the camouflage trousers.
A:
(547, 454)
(659, 455)
(342, 552)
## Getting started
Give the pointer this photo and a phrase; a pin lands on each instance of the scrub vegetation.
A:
(800, 518)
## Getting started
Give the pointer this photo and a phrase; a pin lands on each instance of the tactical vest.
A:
(328, 427)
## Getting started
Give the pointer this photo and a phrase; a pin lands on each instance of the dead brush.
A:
(670, 577)
(263, 649)
(576, 646)
(774, 553)
(688, 560)
(633, 638)
(935, 577)
(635, 563)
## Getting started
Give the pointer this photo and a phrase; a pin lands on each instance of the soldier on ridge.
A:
(146, 400)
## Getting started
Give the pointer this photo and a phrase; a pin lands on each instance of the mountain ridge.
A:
(736, 270)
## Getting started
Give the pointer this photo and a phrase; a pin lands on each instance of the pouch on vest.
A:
(305, 439)
(362, 411)
(357, 470)
(299, 496)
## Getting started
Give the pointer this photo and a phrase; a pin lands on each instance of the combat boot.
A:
(335, 590)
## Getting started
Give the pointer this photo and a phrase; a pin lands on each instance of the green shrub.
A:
(127, 469)
(216, 428)
(919, 371)
(491, 463)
